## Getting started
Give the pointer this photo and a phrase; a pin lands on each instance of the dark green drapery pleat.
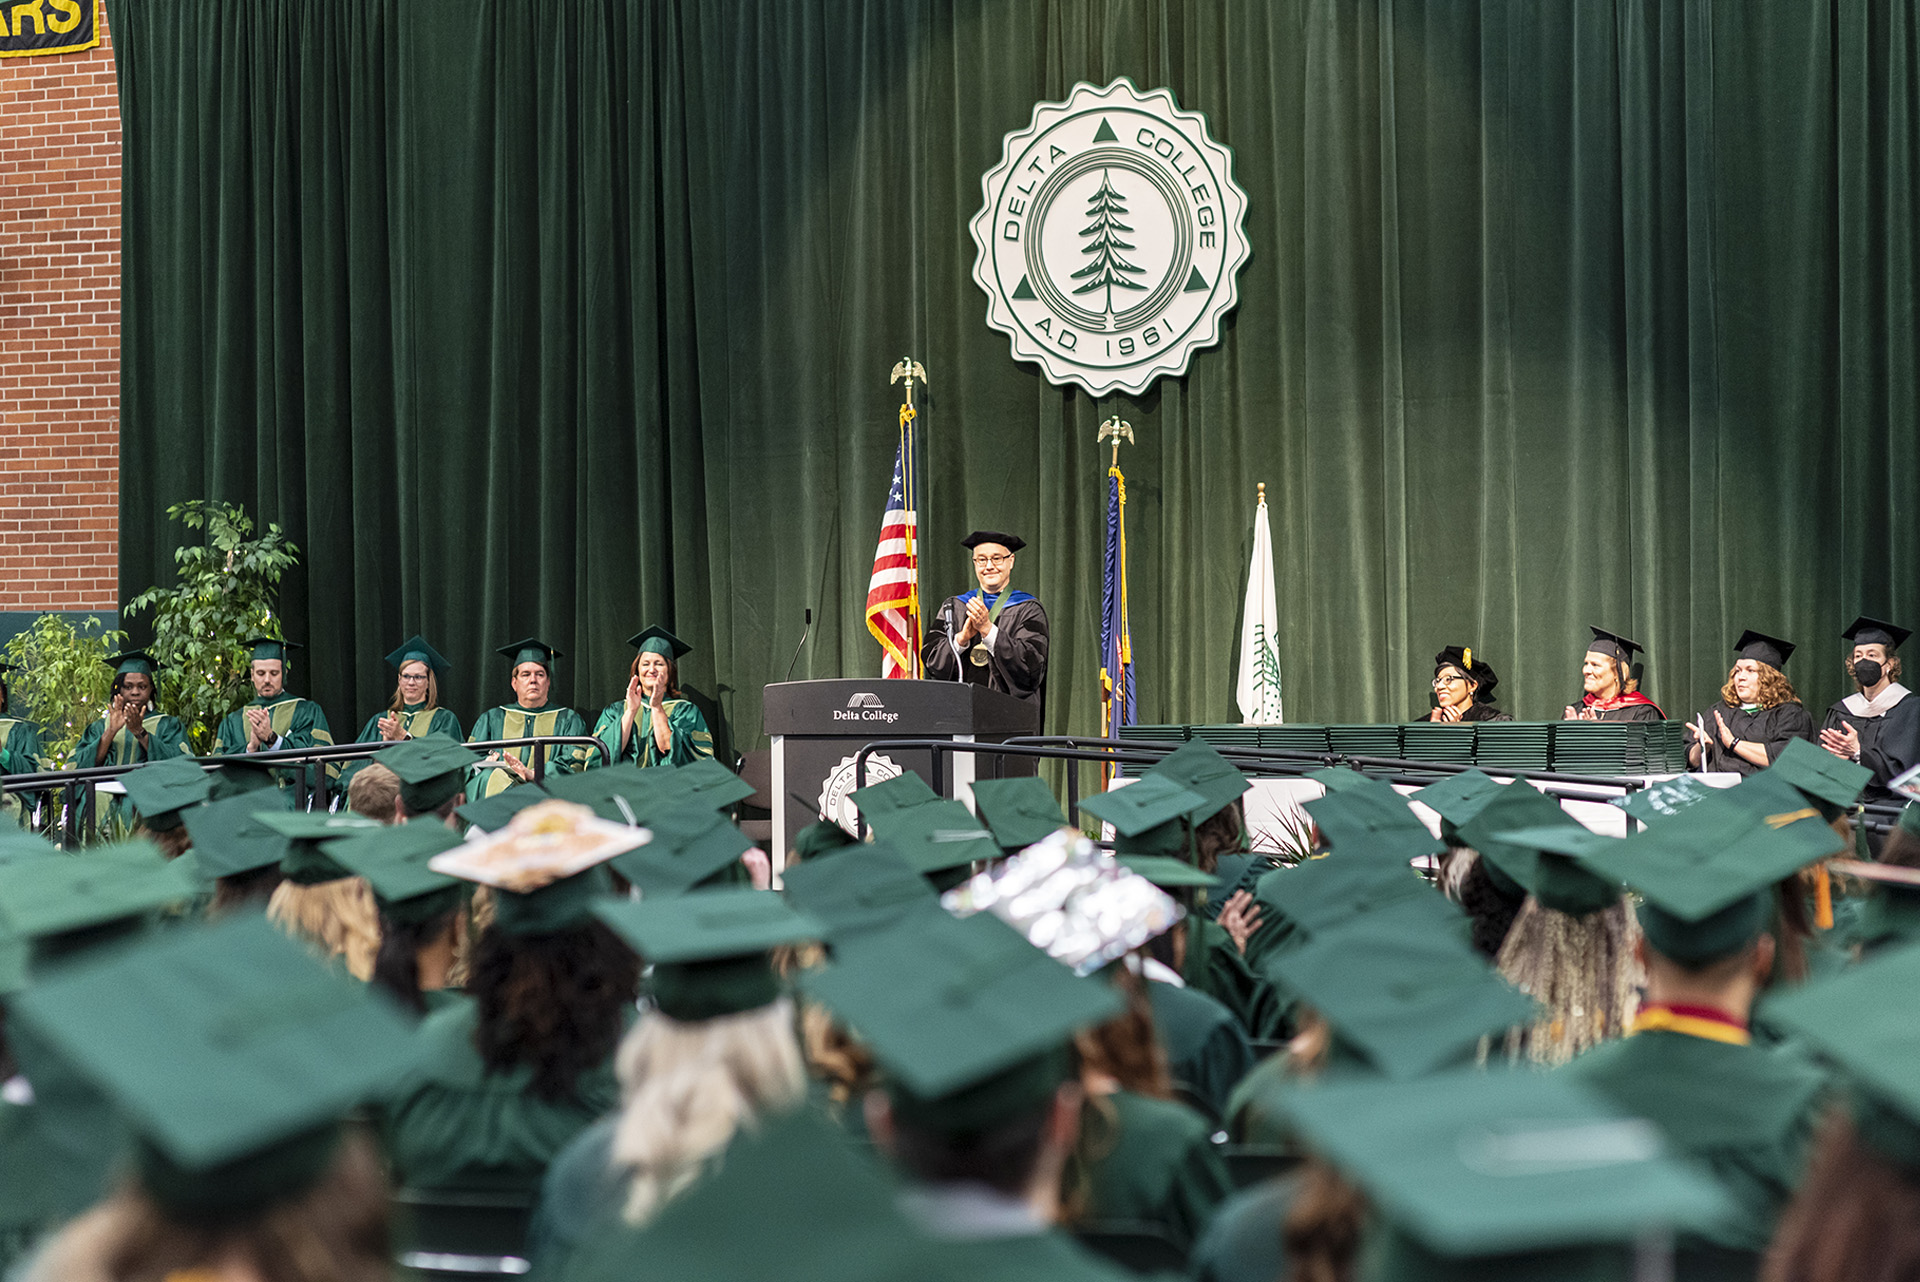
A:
(568, 316)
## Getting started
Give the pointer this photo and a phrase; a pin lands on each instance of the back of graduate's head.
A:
(373, 792)
(1008, 1154)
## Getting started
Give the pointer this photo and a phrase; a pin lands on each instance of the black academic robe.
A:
(1485, 712)
(1889, 743)
(1017, 661)
(1772, 728)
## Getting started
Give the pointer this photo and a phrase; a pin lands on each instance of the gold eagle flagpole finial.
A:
(1117, 430)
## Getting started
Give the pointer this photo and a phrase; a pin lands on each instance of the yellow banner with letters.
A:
(29, 28)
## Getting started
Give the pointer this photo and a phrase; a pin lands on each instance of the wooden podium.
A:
(818, 727)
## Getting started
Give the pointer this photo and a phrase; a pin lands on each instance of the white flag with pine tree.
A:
(1258, 691)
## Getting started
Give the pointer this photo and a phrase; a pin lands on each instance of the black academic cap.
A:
(1463, 658)
(1865, 631)
(529, 650)
(1011, 542)
(1612, 644)
(1762, 648)
(657, 640)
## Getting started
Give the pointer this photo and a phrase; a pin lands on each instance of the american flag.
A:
(891, 604)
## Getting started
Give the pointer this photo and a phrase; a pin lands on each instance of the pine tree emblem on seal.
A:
(1111, 238)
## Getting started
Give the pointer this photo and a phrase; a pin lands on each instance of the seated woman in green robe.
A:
(19, 737)
(132, 731)
(530, 715)
(415, 711)
(651, 723)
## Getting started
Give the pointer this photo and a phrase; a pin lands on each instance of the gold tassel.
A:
(1822, 898)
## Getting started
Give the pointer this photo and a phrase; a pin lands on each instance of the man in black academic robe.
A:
(994, 635)
(1744, 734)
(1877, 725)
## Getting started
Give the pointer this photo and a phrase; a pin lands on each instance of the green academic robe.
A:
(1215, 967)
(166, 738)
(416, 719)
(580, 1196)
(19, 746)
(1207, 1050)
(298, 723)
(688, 738)
(1242, 1242)
(454, 1125)
(1028, 1257)
(511, 721)
(1746, 1113)
(1154, 1162)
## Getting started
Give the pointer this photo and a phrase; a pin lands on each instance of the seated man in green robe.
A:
(651, 723)
(530, 715)
(415, 711)
(273, 720)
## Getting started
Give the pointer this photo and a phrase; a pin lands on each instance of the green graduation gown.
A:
(1242, 1242)
(416, 719)
(454, 1125)
(1746, 1113)
(19, 746)
(581, 1195)
(1215, 967)
(1207, 1050)
(1153, 1161)
(298, 722)
(511, 721)
(166, 737)
(688, 736)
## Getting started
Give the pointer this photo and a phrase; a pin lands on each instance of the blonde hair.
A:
(1581, 970)
(338, 917)
(689, 1087)
(373, 791)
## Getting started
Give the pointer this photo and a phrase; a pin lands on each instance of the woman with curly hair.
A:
(1758, 713)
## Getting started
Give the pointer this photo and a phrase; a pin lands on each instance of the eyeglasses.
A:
(993, 560)
(1447, 681)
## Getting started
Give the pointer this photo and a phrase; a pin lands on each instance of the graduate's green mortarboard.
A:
(1865, 631)
(42, 898)
(1410, 999)
(1707, 873)
(229, 840)
(709, 949)
(1477, 1165)
(1339, 778)
(1862, 1019)
(1762, 648)
(619, 793)
(821, 837)
(557, 906)
(238, 775)
(1372, 818)
(1612, 644)
(415, 648)
(1549, 875)
(306, 863)
(394, 861)
(1323, 894)
(230, 1051)
(431, 769)
(1666, 798)
(1198, 767)
(689, 844)
(1018, 812)
(546, 866)
(1456, 799)
(269, 648)
(708, 783)
(18, 847)
(869, 888)
(657, 640)
(902, 792)
(490, 814)
(1005, 1012)
(1011, 542)
(530, 650)
(161, 790)
(1831, 783)
(1148, 815)
(936, 836)
(131, 661)
(1169, 873)
(14, 956)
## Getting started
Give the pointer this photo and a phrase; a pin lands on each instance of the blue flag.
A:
(1116, 642)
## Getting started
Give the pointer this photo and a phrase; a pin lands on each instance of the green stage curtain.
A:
(532, 316)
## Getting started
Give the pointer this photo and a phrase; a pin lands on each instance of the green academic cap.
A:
(530, 650)
(902, 792)
(1831, 783)
(131, 661)
(710, 949)
(431, 769)
(936, 836)
(1005, 1011)
(690, 844)
(1409, 998)
(394, 862)
(269, 648)
(1503, 1165)
(1339, 778)
(1862, 1019)
(1456, 799)
(1148, 815)
(414, 648)
(1320, 895)
(1169, 873)
(306, 863)
(1018, 812)
(232, 1053)
(1198, 766)
(1707, 873)
(490, 814)
(239, 774)
(620, 793)
(44, 898)
(161, 790)
(657, 640)
(1543, 871)
(557, 906)
(707, 783)
(228, 840)
(1372, 818)
(18, 847)
(1668, 797)
(821, 837)
(869, 888)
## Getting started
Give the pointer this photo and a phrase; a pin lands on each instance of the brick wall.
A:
(59, 331)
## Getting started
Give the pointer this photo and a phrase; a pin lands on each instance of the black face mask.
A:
(1867, 672)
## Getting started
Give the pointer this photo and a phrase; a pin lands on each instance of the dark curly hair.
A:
(555, 1003)
(1220, 833)
(1490, 912)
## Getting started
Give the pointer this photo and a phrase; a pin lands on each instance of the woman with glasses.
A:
(994, 636)
(1463, 687)
(414, 711)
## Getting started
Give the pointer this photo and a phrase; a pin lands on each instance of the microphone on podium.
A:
(804, 634)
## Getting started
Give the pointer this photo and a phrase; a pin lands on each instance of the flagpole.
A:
(907, 370)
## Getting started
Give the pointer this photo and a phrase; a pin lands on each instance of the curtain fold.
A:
(565, 317)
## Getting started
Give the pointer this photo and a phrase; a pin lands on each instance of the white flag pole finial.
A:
(1258, 689)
